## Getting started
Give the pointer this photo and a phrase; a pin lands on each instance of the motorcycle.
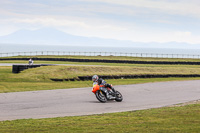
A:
(101, 95)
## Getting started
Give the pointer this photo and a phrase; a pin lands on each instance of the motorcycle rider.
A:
(100, 81)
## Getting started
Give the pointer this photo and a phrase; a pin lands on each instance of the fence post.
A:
(156, 55)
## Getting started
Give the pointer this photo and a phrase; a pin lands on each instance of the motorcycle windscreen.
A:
(95, 87)
(94, 84)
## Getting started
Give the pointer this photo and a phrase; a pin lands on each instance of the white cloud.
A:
(185, 36)
(134, 20)
(181, 7)
(7, 29)
(65, 24)
(48, 21)
(172, 36)
(182, 34)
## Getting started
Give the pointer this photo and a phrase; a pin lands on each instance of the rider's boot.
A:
(110, 97)
(113, 89)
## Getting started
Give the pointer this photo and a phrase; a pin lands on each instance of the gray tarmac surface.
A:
(81, 101)
(6, 64)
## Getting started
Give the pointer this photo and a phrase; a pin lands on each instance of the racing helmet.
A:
(95, 78)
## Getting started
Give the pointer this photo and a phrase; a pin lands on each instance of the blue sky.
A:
(135, 20)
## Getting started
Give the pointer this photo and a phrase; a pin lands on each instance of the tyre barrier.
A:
(109, 61)
(19, 68)
(86, 78)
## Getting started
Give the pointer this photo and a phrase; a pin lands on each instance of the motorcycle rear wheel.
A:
(119, 96)
(101, 96)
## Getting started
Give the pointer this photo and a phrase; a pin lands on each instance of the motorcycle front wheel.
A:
(101, 96)
(119, 96)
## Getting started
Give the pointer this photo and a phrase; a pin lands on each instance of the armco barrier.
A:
(19, 68)
(85, 78)
(108, 61)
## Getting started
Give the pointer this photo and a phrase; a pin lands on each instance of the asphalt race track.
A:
(81, 101)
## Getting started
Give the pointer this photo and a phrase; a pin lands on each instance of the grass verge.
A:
(39, 78)
(64, 72)
(183, 119)
(6, 87)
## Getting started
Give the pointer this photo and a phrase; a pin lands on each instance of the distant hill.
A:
(50, 36)
(56, 37)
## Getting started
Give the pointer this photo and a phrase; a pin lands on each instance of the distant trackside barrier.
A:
(154, 55)
(109, 61)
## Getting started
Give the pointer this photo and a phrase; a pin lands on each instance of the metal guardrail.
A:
(154, 55)
(105, 61)
(19, 68)
(85, 78)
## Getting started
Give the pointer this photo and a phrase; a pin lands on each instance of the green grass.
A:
(62, 72)
(88, 63)
(184, 119)
(18, 86)
(39, 78)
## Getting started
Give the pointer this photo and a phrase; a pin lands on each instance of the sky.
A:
(135, 20)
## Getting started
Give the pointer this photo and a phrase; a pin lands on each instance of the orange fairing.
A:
(95, 88)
